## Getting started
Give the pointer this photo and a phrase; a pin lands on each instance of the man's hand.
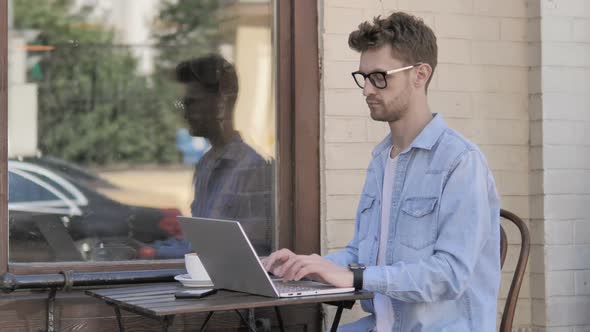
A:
(274, 262)
(285, 264)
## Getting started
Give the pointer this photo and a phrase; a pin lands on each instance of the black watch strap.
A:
(357, 279)
(357, 275)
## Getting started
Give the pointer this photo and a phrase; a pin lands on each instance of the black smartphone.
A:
(194, 293)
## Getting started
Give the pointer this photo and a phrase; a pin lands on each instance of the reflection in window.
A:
(103, 96)
(22, 190)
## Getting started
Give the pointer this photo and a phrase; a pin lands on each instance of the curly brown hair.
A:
(410, 38)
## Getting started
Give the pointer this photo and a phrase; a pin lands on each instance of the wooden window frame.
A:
(297, 135)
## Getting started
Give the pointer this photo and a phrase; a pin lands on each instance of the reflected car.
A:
(56, 213)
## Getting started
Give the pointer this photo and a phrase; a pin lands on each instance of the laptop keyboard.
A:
(283, 287)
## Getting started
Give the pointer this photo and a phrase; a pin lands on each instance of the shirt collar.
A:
(425, 140)
(232, 151)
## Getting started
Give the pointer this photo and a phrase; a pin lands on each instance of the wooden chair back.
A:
(510, 305)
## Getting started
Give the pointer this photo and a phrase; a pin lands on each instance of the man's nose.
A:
(369, 88)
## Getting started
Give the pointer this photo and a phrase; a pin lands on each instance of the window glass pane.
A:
(58, 186)
(49, 178)
(23, 190)
(134, 112)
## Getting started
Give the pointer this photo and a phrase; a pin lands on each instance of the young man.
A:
(427, 233)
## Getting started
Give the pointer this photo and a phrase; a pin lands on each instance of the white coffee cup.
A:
(194, 267)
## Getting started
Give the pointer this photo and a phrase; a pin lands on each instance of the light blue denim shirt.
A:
(443, 247)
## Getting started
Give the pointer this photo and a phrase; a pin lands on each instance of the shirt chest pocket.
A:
(417, 223)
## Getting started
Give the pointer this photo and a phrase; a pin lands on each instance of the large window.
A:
(123, 115)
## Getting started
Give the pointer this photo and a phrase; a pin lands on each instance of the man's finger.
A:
(278, 267)
(296, 266)
(284, 269)
(303, 272)
(268, 261)
(277, 256)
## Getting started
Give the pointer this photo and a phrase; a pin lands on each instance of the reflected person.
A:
(232, 181)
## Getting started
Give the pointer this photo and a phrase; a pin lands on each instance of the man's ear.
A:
(423, 73)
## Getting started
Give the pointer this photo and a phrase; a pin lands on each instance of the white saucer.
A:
(186, 281)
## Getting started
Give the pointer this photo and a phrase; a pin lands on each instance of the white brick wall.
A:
(481, 86)
(467, 27)
(559, 130)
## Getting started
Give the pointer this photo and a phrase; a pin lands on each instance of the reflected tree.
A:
(94, 106)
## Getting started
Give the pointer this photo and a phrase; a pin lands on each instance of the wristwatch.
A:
(357, 275)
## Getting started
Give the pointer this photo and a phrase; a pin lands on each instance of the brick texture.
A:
(561, 131)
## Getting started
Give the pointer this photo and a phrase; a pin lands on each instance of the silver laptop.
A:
(232, 263)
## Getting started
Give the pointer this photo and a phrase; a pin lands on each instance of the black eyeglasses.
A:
(377, 78)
